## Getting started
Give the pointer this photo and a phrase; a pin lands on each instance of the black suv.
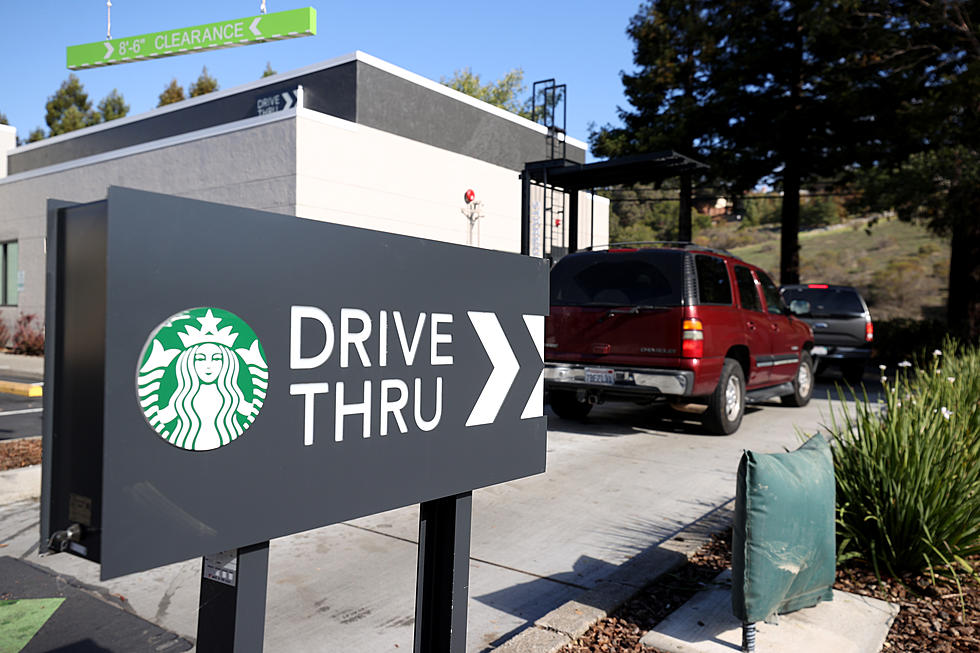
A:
(841, 323)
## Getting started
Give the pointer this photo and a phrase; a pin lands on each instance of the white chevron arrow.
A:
(288, 97)
(505, 367)
(535, 403)
(255, 26)
(108, 50)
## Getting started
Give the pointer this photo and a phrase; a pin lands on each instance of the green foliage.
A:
(908, 469)
(69, 108)
(172, 93)
(505, 93)
(904, 338)
(820, 212)
(3, 118)
(35, 135)
(204, 84)
(268, 72)
(28, 338)
(113, 106)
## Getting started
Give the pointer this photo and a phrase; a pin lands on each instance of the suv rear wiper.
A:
(632, 310)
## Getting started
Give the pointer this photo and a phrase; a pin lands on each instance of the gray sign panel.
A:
(265, 375)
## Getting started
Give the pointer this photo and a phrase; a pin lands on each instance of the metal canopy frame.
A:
(573, 177)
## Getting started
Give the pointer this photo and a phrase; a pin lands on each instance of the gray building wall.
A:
(251, 166)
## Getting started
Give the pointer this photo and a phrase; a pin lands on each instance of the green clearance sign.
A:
(188, 40)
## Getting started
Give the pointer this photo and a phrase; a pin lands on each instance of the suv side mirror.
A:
(799, 307)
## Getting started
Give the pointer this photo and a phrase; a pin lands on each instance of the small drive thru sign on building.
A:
(187, 40)
(218, 377)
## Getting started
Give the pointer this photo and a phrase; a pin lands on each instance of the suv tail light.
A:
(869, 329)
(692, 343)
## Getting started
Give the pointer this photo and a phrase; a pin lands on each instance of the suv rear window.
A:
(713, 284)
(827, 302)
(651, 278)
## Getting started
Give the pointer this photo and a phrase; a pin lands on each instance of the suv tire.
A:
(567, 406)
(802, 383)
(726, 405)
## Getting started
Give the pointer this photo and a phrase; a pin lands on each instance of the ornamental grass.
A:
(908, 468)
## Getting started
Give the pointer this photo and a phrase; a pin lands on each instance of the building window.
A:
(8, 263)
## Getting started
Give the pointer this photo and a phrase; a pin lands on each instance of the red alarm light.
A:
(469, 196)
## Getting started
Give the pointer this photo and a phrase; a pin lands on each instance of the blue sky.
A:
(580, 43)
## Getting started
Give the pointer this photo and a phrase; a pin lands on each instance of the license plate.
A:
(819, 351)
(604, 377)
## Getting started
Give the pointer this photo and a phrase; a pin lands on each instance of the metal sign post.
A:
(232, 606)
(444, 575)
(221, 377)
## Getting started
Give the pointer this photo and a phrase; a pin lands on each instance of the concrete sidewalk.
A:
(621, 503)
(705, 624)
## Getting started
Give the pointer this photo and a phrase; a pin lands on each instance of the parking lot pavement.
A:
(20, 417)
(617, 487)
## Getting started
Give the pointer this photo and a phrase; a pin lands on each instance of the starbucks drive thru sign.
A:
(219, 376)
(188, 40)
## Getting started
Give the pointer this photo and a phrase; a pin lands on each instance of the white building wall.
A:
(252, 165)
(355, 175)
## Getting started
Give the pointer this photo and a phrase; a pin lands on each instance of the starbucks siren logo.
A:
(202, 378)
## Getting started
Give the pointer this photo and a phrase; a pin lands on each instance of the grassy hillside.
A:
(901, 269)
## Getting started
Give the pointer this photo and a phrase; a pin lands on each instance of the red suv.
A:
(673, 322)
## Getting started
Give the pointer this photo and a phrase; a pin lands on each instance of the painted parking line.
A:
(25, 411)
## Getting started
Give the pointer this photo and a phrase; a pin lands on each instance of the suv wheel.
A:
(567, 406)
(802, 383)
(727, 404)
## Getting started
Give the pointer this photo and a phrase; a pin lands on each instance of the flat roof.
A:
(356, 87)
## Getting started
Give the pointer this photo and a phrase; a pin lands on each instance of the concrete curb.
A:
(20, 484)
(22, 389)
(565, 624)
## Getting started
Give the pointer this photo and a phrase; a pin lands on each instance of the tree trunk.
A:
(963, 307)
(789, 233)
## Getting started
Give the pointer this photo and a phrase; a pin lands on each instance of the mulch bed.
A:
(931, 617)
(20, 453)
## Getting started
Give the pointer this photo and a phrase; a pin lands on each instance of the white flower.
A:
(905, 364)
(936, 352)
(946, 412)
(884, 380)
(882, 367)
(951, 379)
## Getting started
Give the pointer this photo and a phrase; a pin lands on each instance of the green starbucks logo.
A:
(202, 378)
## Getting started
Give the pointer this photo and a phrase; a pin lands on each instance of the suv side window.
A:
(774, 301)
(713, 284)
(746, 289)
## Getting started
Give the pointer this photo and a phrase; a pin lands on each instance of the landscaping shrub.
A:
(908, 468)
(903, 338)
(27, 338)
(4, 333)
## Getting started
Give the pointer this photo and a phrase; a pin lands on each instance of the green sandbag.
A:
(783, 546)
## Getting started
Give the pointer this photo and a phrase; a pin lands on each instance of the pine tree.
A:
(35, 135)
(204, 84)
(69, 108)
(113, 106)
(174, 92)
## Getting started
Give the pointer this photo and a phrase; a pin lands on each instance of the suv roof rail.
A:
(681, 244)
